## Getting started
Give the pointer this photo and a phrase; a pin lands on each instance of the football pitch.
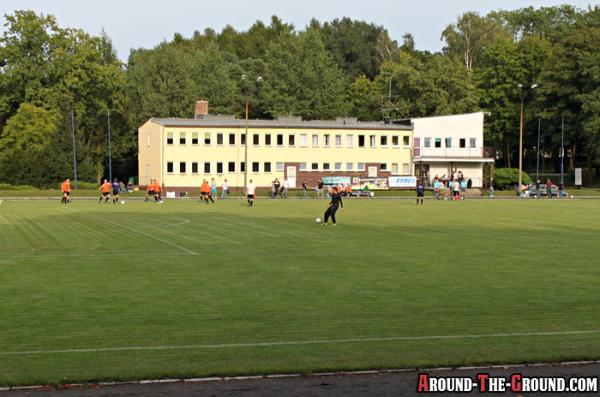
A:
(94, 292)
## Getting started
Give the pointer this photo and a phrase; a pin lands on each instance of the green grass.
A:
(88, 276)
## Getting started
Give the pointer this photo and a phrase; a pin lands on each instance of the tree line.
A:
(55, 80)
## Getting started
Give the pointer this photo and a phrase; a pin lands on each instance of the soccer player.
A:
(105, 188)
(205, 192)
(335, 204)
(157, 190)
(65, 188)
(116, 189)
(420, 191)
(150, 190)
(250, 193)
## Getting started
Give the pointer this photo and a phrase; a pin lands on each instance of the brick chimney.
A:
(201, 109)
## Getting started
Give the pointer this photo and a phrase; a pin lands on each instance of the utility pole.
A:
(537, 166)
(562, 150)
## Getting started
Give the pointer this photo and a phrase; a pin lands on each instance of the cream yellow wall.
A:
(149, 151)
(225, 153)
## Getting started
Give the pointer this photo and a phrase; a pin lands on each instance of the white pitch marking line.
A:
(299, 343)
(184, 221)
(100, 254)
(139, 232)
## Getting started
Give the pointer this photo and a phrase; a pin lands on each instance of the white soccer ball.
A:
(122, 201)
(571, 196)
(318, 220)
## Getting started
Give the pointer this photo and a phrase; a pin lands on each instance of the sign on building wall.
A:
(369, 183)
(578, 177)
(403, 181)
(337, 180)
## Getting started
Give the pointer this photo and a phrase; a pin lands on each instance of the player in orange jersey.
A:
(105, 189)
(65, 188)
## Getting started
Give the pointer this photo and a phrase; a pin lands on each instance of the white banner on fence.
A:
(402, 181)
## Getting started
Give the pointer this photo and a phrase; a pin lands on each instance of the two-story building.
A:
(180, 153)
(444, 145)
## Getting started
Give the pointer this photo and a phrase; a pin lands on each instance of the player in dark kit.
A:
(335, 204)
(116, 189)
(420, 192)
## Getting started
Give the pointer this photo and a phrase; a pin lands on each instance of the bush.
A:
(508, 178)
(6, 186)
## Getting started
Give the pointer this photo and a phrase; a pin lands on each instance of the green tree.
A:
(30, 128)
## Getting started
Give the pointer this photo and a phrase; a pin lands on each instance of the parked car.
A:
(553, 191)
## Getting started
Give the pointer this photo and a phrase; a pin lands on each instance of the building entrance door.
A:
(291, 176)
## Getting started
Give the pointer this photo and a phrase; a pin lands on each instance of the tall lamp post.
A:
(258, 81)
(524, 92)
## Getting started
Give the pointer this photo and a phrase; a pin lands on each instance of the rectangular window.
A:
(267, 166)
(279, 139)
(338, 166)
(170, 167)
(349, 166)
(256, 139)
(314, 166)
(383, 167)
(361, 141)
(302, 166)
(207, 168)
(349, 140)
(232, 139)
(219, 168)
(195, 138)
(292, 140)
(360, 166)
(182, 138)
(243, 139)
(394, 168)
(327, 140)
(326, 167)
(406, 140)
(315, 140)
(231, 166)
(268, 139)
(448, 142)
(395, 140)
(148, 144)
(194, 168)
(438, 142)
(405, 169)
(207, 138)
(303, 141)
(372, 141)
(242, 166)
(462, 142)
(472, 142)
(279, 167)
(255, 166)
(182, 167)
(169, 138)
(383, 140)
(219, 139)
(427, 142)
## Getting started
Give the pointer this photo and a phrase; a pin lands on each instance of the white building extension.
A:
(444, 145)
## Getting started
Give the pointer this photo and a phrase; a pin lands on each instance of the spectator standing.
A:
(549, 188)
(304, 189)
(284, 190)
(224, 189)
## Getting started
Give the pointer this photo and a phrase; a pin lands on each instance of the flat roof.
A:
(224, 122)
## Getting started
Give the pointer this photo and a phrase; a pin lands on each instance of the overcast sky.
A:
(145, 23)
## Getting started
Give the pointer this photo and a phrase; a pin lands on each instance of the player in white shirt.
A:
(250, 193)
(224, 189)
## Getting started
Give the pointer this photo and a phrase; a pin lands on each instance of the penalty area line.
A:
(299, 343)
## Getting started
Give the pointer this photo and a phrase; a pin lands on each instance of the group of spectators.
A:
(455, 186)
(279, 190)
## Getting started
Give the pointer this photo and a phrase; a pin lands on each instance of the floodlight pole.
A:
(562, 150)
(537, 166)
(109, 148)
(74, 147)
(246, 146)
(523, 95)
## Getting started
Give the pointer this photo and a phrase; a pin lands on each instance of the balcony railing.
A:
(467, 153)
